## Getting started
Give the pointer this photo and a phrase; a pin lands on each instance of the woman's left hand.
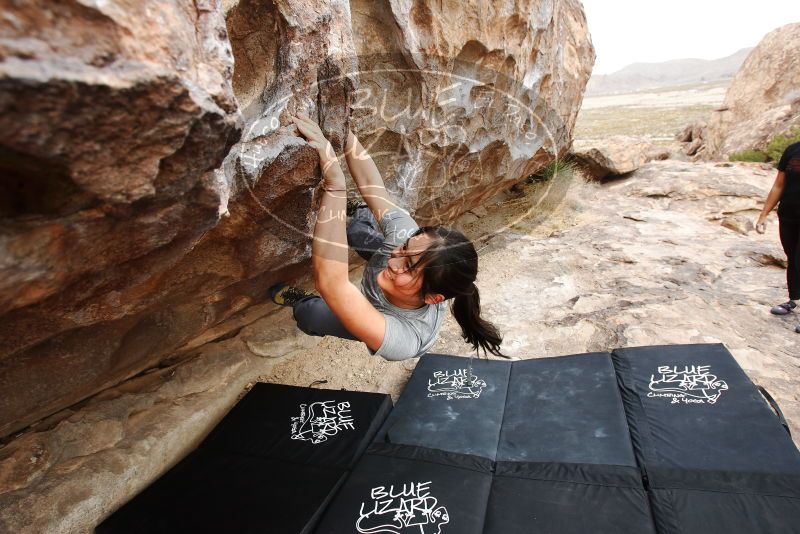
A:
(761, 225)
(313, 134)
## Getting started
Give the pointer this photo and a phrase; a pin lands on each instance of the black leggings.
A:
(790, 239)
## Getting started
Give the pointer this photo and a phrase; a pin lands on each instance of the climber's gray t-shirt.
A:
(409, 333)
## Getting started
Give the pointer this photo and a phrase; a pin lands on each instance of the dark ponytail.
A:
(450, 267)
(477, 331)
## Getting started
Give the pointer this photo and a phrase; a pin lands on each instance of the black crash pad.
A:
(533, 498)
(565, 460)
(716, 458)
(687, 511)
(670, 439)
(302, 425)
(556, 427)
(692, 407)
(397, 489)
(566, 409)
(213, 492)
(563, 409)
(440, 409)
(271, 465)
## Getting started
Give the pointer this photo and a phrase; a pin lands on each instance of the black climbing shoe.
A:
(283, 294)
(353, 203)
(784, 309)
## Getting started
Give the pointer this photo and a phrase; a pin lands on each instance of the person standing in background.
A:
(786, 190)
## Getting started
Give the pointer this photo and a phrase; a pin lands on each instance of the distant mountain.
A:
(640, 76)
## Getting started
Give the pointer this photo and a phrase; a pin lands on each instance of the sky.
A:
(633, 31)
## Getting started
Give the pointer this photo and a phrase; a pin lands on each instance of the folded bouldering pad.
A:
(671, 439)
(565, 459)
(714, 455)
(302, 425)
(530, 498)
(271, 465)
(398, 489)
(444, 407)
(566, 409)
(212, 492)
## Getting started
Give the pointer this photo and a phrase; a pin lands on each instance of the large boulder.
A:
(615, 156)
(108, 269)
(764, 98)
(113, 117)
(459, 106)
(155, 185)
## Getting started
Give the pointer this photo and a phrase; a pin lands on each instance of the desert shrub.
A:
(556, 167)
(749, 155)
(778, 144)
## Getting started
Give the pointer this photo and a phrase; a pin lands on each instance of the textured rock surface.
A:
(692, 140)
(764, 98)
(756, 134)
(462, 102)
(616, 155)
(645, 260)
(111, 128)
(122, 239)
(97, 294)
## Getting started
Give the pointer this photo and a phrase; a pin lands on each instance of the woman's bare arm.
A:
(772, 200)
(329, 252)
(367, 177)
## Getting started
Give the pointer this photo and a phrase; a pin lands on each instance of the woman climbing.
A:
(786, 189)
(411, 272)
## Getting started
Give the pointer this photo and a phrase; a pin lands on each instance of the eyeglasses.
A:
(400, 264)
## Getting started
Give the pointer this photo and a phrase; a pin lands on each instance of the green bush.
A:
(555, 167)
(749, 155)
(778, 144)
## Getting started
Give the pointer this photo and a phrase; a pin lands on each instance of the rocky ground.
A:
(667, 255)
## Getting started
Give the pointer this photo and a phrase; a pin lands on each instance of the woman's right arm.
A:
(367, 177)
(772, 199)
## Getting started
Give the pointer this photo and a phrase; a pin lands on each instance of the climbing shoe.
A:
(353, 203)
(283, 294)
(784, 309)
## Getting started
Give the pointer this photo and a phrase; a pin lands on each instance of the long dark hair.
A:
(449, 266)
